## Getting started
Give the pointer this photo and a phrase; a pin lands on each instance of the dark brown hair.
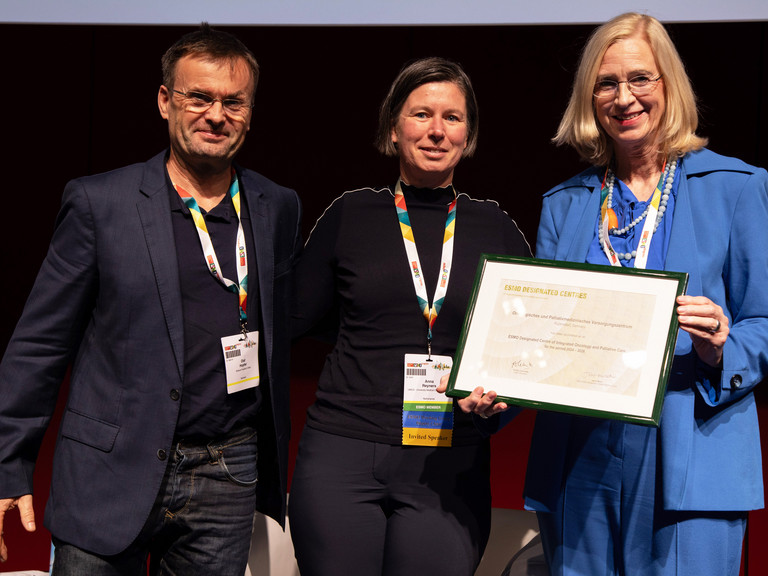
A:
(412, 76)
(209, 44)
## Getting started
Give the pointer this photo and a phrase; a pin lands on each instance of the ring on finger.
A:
(716, 329)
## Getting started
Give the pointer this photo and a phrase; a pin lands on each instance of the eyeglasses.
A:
(199, 102)
(639, 86)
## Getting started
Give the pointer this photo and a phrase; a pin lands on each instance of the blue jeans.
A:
(200, 524)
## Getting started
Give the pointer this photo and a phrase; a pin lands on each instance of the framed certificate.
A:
(579, 338)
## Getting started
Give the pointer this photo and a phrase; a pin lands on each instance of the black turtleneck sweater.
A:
(354, 270)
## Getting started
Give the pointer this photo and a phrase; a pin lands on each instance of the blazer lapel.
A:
(681, 254)
(581, 230)
(155, 215)
(261, 226)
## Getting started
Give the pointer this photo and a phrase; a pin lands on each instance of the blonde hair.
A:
(579, 127)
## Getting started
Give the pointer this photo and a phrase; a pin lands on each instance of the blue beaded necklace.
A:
(667, 179)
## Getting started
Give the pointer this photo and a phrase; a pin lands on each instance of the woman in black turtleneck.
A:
(361, 501)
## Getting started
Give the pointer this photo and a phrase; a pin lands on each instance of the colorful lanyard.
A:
(241, 287)
(609, 220)
(446, 259)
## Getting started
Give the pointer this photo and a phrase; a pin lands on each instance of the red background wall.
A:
(82, 99)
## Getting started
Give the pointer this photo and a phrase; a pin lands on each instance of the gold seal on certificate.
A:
(592, 340)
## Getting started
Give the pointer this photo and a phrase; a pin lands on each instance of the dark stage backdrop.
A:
(82, 99)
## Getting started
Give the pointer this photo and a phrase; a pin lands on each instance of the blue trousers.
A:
(370, 509)
(609, 521)
(200, 524)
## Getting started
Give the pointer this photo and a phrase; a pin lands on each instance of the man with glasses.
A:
(165, 289)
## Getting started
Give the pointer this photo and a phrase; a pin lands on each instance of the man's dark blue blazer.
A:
(107, 303)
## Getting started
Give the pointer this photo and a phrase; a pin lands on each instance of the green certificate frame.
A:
(578, 338)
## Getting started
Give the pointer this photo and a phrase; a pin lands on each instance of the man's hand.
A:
(27, 513)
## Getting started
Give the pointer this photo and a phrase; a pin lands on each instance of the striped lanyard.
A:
(241, 287)
(430, 312)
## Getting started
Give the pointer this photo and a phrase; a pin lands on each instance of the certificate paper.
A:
(591, 340)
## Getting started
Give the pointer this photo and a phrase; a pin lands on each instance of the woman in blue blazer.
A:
(618, 498)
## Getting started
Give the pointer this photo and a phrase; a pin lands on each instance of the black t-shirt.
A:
(354, 270)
